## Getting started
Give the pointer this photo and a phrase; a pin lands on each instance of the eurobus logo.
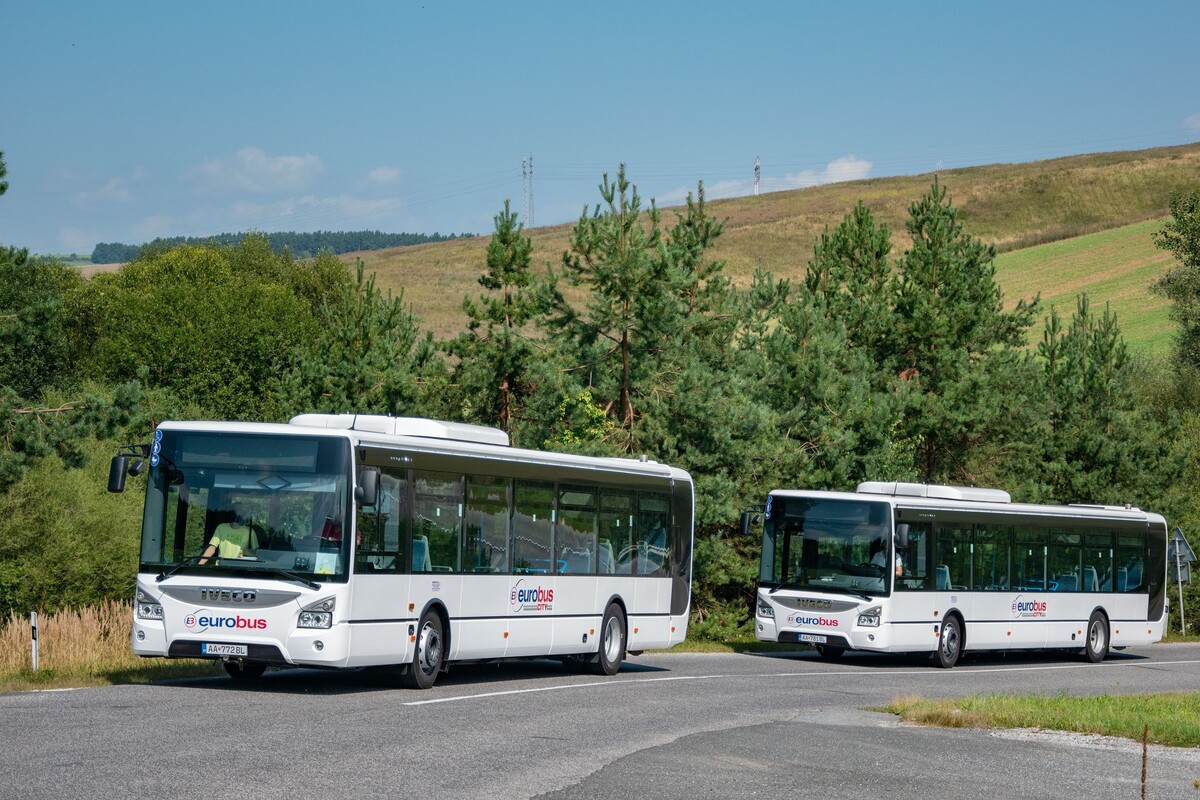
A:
(1028, 608)
(820, 622)
(202, 621)
(530, 598)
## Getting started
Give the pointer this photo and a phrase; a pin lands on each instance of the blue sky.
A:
(126, 121)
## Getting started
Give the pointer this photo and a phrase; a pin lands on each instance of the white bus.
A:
(357, 541)
(901, 567)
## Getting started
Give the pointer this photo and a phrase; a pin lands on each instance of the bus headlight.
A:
(317, 615)
(765, 610)
(148, 607)
(870, 617)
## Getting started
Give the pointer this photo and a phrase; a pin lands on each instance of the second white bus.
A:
(899, 567)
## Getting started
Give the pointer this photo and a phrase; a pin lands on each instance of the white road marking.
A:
(821, 674)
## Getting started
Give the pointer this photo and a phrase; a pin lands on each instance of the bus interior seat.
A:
(1122, 580)
(1091, 579)
(420, 554)
(607, 560)
(1064, 583)
(943, 576)
(1135, 576)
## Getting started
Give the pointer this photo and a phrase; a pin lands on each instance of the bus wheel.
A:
(612, 642)
(950, 644)
(830, 653)
(428, 655)
(1096, 644)
(239, 670)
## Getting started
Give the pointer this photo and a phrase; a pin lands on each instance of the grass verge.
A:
(1173, 717)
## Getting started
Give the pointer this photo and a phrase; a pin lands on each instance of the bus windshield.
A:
(827, 545)
(233, 503)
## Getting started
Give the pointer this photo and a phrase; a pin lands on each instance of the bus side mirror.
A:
(902, 536)
(367, 491)
(745, 523)
(116, 474)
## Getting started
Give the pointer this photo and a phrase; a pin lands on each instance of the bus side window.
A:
(654, 518)
(915, 574)
(438, 507)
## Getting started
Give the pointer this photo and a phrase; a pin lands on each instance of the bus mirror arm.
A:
(367, 491)
(902, 536)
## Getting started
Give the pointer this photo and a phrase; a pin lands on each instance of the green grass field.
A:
(1114, 267)
(1173, 718)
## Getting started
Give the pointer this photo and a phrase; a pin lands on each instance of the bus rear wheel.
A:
(1095, 646)
(612, 642)
(949, 644)
(428, 655)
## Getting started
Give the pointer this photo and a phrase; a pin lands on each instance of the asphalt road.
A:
(669, 726)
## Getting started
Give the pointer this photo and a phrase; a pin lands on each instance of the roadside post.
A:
(33, 626)
(1182, 554)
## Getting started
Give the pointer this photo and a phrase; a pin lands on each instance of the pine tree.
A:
(494, 354)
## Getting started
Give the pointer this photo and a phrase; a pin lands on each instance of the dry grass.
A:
(81, 647)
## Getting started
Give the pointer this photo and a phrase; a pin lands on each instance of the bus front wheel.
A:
(428, 655)
(612, 642)
(949, 644)
(1095, 646)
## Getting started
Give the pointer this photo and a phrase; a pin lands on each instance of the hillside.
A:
(1014, 206)
(1114, 267)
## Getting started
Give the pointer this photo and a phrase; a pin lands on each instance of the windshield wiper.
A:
(288, 574)
(794, 583)
(162, 576)
(848, 590)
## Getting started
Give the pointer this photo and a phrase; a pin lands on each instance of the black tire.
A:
(612, 642)
(1095, 640)
(949, 643)
(429, 655)
(829, 652)
(241, 671)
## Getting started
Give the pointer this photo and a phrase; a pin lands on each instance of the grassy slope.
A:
(1011, 205)
(1114, 267)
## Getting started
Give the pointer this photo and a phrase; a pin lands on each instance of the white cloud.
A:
(114, 191)
(846, 168)
(1192, 123)
(152, 227)
(312, 212)
(252, 170)
(384, 176)
(73, 240)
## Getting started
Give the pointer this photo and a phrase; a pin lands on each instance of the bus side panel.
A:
(380, 620)
(479, 619)
(649, 618)
(1127, 625)
(532, 601)
(911, 621)
(577, 614)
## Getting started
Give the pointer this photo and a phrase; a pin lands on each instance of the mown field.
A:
(1063, 226)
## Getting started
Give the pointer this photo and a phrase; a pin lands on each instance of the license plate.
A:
(813, 638)
(224, 649)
